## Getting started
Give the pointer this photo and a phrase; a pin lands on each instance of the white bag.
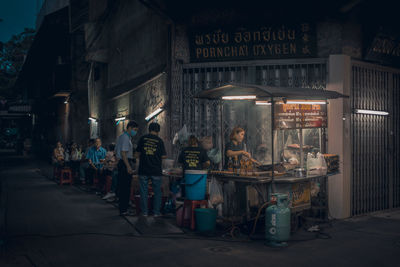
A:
(216, 196)
(316, 165)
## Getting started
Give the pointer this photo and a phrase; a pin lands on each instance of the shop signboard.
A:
(22, 108)
(264, 42)
(301, 195)
(385, 49)
(300, 116)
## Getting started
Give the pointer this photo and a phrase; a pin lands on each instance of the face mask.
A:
(133, 133)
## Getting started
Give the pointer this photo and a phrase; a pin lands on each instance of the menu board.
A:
(298, 116)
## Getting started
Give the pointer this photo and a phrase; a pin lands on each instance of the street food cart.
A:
(285, 131)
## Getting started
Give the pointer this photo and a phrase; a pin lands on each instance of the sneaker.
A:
(110, 200)
(157, 215)
(109, 195)
(126, 213)
(145, 215)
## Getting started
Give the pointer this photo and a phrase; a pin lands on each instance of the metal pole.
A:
(301, 149)
(221, 145)
(272, 143)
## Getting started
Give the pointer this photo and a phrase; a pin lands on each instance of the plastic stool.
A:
(95, 179)
(108, 183)
(193, 204)
(56, 172)
(66, 176)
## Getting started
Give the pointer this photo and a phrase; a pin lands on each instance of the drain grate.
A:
(220, 249)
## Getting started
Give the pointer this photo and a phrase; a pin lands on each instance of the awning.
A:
(262, 91)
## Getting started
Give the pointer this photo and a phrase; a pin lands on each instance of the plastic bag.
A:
(181, 137)
(216, 196)
(214, 155)
(316, 165)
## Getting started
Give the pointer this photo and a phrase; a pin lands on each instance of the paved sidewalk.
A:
(51, 225)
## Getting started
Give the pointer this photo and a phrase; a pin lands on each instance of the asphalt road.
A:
(44, 224)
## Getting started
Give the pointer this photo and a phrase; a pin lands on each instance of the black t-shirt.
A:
(151, 149)
(193, 158)
(231, 146)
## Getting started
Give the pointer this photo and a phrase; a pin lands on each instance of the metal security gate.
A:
(375, 174)
(396, 140)
(203, 117)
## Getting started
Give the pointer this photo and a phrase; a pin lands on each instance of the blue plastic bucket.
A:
(195, 184)
(206, 220)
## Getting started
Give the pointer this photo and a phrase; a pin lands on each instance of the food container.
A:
(168, 164)
(300, 172)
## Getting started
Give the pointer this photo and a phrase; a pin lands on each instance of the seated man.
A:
(96, 156)
(84, 163)
(58, 155)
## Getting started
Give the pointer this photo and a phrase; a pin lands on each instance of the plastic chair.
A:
(66, 176)
(192, 204)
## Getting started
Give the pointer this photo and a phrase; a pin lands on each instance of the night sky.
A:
(16, 15)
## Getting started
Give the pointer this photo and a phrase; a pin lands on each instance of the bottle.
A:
(230, 164)
(243, 164)
(236, 166)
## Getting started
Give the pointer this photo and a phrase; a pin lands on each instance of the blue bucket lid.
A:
(196, 172)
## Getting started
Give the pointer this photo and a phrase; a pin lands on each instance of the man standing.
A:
(84, 164)
(96, 156)
(151, 151)
(124, 153)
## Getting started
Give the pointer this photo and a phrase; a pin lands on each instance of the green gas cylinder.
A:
(277, 221)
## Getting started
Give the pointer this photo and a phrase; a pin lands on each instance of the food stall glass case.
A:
(282, 125)
(288, 135)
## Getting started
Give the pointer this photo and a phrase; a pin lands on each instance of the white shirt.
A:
(124, 144)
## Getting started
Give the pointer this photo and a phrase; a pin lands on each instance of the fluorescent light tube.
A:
(239, 97)
(371, 112)
(154, 114)
(306, 102)
(263, 103)
(120, 119)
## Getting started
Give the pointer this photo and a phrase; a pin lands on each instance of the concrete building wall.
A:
(136, 105)
(48, 7)
(339, 135)
(344, 37)
(137, 42)
(132, 46)
(79, 111)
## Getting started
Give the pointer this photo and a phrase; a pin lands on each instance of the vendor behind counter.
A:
(235, 147)
(194, 157)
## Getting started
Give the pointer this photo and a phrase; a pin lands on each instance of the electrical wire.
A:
(258, 216)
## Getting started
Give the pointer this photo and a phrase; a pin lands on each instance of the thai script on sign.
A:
(262, 42)
(295, 116)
